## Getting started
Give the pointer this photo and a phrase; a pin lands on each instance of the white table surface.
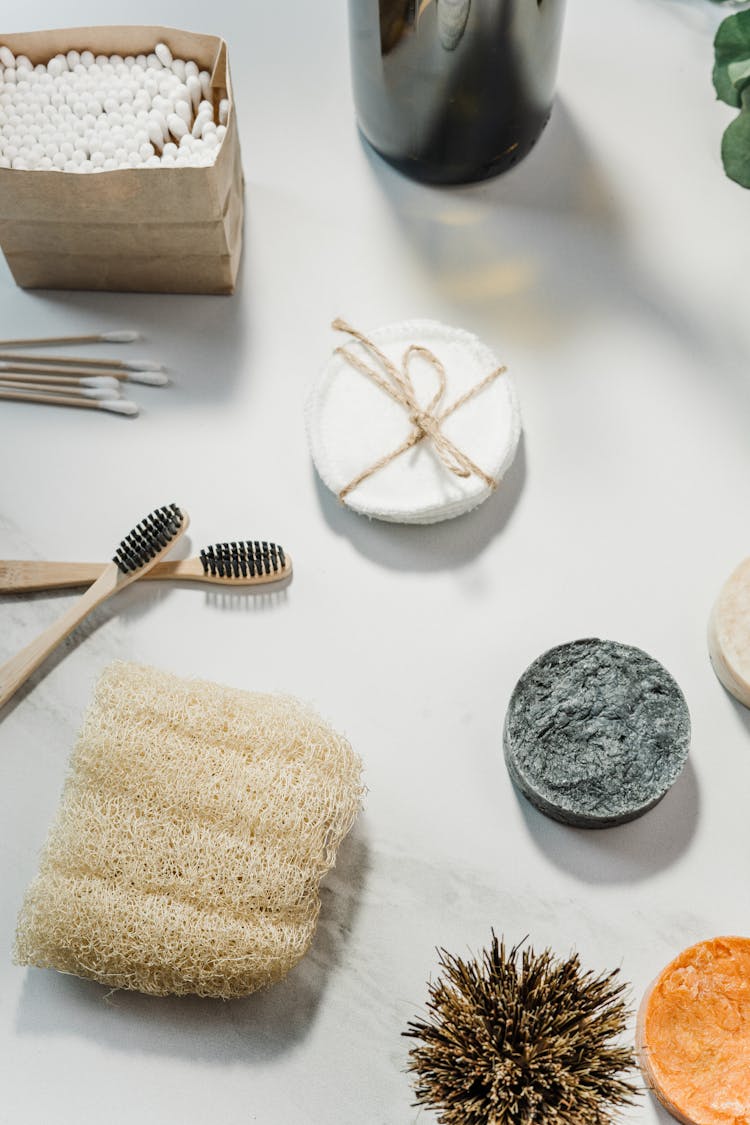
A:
(609, 271)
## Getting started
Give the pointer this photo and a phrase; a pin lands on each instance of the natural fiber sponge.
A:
(194, 828)
(596, 732)
(694, 1034)
(357, 421)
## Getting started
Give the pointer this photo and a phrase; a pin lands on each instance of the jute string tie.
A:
(427, 421)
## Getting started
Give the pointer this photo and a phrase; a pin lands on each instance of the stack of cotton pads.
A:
(195, 826)
(87, 113)
(353, 423)
(596, 733)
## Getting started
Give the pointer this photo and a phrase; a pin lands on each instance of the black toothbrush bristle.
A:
(148, 538)
(249, 559)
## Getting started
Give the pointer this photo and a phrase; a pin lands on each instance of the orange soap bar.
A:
(694, 1034)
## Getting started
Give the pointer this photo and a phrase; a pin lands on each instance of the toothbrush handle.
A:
(17, 576)
(17, 670)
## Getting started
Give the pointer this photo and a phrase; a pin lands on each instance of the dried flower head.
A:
(521, 1038)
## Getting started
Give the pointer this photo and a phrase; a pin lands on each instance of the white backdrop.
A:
(609, 271)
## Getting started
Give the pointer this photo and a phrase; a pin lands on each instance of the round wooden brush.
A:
(520, 1038)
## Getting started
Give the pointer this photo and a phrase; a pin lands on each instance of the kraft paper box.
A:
(162, 230)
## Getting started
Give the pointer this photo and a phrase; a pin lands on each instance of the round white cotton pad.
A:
(353, 424)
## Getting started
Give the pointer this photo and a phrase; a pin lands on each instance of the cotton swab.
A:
(83, 113)
(148, 378)
(106, 383)
(114, 406)
(81, 392)
(119, 337)
(138, 365)
(52, 371)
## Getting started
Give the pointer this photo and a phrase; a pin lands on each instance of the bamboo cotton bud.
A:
(184, 110)
(81, 113)
(163, 54)
(176, 125)
(193, 84)
(155, 133)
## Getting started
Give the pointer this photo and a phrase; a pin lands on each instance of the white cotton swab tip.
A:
(163, 54)
(93, 392)
(103, 382)
(119, 406)
(150, 378)
(142, 365)
(121, 337)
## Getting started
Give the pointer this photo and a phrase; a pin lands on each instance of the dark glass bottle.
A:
(450, 91)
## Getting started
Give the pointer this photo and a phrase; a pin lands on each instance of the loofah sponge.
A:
(194, 829)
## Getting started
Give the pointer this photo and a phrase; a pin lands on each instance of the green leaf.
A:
(731, 46)
(735, 145)
(739, 73)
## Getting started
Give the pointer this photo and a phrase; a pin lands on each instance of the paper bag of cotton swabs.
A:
(148, 113)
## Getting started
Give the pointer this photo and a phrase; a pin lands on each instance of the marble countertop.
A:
(609, 272)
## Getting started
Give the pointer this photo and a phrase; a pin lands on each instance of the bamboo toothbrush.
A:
(119, 337)
(52, 371)
(249, 563)
(141, 549)
(111, 405)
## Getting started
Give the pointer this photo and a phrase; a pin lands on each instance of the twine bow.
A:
(427, 421)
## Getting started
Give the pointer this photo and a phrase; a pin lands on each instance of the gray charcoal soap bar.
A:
(596, 732)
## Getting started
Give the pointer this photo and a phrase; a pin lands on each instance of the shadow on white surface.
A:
(543, 254)
(742, 713)
(428, 547)
(201, 339)
(626, 853)
(661, 1115)
(559, 175)
(252, 1030)
(249, 599)
(130, 605)
(526, 256)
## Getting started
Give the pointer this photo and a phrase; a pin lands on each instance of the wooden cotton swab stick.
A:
(50, 382)
(119, 337)
(64, 389)
(80, 361)
(63, 371)
(114, 406)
